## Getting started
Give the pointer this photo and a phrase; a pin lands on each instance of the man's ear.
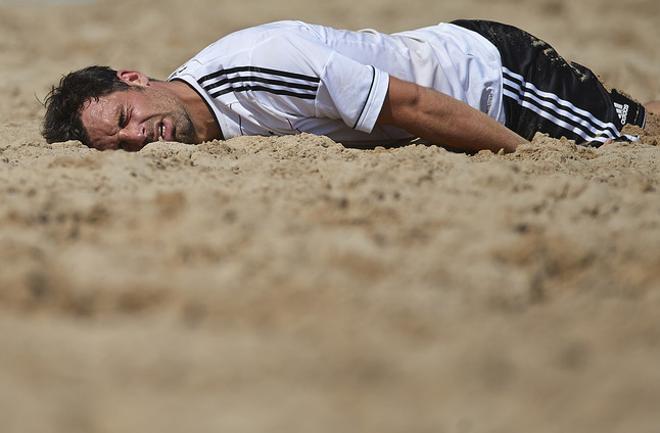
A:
(133, 78)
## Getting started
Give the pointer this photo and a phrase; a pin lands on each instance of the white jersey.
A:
(289, 77)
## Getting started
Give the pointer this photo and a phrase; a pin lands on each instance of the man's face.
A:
(132, 118)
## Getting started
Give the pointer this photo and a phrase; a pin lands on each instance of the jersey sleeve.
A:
(301, 78)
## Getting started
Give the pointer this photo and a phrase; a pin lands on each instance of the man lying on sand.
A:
(468, 85)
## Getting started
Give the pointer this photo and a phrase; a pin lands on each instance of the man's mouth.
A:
(160, 131)
(164, 131)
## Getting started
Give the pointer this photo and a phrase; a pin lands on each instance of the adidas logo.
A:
(622, 111)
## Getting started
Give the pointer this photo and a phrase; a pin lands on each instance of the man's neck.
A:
(203, 119)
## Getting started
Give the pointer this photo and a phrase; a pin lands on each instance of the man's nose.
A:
(134, 134)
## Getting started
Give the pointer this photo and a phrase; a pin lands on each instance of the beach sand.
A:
(293, 285)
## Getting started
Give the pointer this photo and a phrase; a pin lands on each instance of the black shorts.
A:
(542, 92)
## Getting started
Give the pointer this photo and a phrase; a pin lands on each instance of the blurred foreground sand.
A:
(292, 285)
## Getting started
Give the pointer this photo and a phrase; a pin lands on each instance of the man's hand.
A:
(443, 120)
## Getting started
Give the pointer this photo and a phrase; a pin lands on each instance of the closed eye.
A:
(122, 119)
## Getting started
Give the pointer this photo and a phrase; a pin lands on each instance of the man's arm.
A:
(444, 120)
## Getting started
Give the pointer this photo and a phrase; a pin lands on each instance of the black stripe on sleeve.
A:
(246, 88)
(261, 70)
(260, 80)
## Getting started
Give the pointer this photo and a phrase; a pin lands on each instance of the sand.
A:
(294, 285)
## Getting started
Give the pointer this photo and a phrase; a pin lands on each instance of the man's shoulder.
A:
(252, 37)
(239, 47)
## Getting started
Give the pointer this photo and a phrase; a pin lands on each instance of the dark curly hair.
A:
(64, 102)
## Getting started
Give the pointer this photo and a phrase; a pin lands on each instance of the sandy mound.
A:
(291, 284)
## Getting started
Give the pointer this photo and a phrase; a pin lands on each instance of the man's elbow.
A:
(402, 102)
